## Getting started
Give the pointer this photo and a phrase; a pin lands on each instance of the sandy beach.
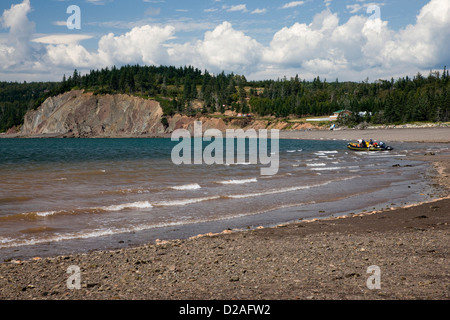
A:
(432, 135)
(322, 259)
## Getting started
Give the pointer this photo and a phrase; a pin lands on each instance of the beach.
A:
(430, 135)
(329, 259)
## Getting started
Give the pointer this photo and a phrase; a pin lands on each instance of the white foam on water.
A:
(45, 214)
(283, 190)
(6, 240)
(192, 186)
(243, 181)
(134, 205)
(329, 168)
(321, 164)
(183, 202)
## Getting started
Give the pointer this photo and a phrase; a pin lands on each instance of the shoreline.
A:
(423, 135)
(313, 259)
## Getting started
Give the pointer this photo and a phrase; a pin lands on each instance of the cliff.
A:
(79, 114)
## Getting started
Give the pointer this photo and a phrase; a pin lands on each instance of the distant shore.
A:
(429, 134)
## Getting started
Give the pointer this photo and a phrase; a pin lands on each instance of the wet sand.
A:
(321, 259)
(427, 134)
(432, 135)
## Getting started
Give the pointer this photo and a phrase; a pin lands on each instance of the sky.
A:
(349, 40)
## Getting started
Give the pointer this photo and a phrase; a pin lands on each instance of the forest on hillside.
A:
(421, 98)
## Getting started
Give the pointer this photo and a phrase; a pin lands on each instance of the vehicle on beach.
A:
(362, 145)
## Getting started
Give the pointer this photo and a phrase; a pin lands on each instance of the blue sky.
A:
(260, 39)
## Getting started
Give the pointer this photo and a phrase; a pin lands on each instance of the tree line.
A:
(420, 98)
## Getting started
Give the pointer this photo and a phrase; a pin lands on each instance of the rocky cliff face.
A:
(78, 114)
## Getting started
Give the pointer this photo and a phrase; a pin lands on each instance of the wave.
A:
(10, 243)
(134, 205)
(243, 181)
(283, 190)
(183, 202)
(128, 191)
(329, 168)
(326, 153)
(316, 164)
(192, 186)
(58, 237)
(43, 214)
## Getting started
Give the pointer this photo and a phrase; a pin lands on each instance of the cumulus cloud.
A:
(223, 48)
(140, 45)
(18, 47)
(363, 45)
(425, 43)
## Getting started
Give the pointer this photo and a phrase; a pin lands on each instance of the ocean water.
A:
(59, 196)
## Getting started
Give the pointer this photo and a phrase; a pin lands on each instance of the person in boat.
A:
(370, 143)
(363, 143)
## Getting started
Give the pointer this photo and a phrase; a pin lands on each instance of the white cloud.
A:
(353, 8)
(239, 7)
(425, 43)
(258, 11)
(140, 45)
(17, 49)
(60, 23)
(292, 4)
(223, 48)
(62, 38)
(70, 55)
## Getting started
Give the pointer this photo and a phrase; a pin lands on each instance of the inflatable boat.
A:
(378, 147)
